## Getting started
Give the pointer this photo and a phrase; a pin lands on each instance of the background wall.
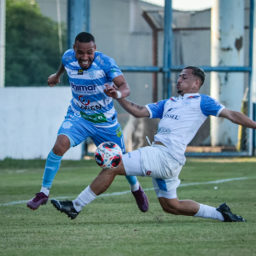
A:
(30, 119)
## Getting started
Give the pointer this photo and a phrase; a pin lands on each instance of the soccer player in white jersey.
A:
(91, 112)
(180, 119)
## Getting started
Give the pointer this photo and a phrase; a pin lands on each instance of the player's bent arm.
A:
(238, 118)
(60, 70)
(134, 109)
(55, 78)
(122, 86)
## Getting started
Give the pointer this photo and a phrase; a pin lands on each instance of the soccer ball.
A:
(108, 155)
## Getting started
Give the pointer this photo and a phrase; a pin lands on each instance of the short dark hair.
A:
(196, 71)
(85, 37)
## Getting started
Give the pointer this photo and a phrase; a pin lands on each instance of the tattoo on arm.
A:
(137, 106)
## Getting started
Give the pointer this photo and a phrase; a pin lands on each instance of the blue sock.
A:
(131, 179)
(52, 166)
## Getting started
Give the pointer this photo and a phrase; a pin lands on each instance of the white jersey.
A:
(181, 118)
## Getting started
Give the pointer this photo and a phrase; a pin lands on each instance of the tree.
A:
(31, 44)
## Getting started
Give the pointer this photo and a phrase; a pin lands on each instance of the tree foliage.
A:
(32, 48)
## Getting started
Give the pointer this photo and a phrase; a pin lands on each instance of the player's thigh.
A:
(132, 163)
(76, 129)
(113, 134)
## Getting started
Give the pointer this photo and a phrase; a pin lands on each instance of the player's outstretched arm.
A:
(122, 86)
(54, 79)
(134, 109)
(120, 89)
(238, 118)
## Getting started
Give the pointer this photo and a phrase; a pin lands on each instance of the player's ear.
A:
(198, 83)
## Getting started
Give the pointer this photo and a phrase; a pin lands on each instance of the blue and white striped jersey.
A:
(88, 97)
(181, 117)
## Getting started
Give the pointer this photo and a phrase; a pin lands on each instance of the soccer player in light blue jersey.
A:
(180, 119)
(91, 112)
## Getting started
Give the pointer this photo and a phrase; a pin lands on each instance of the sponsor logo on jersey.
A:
(80, 72)
(172, 116)
(163, 130)
(83, 101)
(91, 107)
(95, 118)
(83, 88)
(119, 132)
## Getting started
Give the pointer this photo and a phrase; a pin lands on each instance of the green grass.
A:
(114, 226)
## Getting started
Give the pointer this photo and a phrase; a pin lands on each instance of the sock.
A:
(209, 212)
(135, 187)
(52, 166)
(132, 180)
(84, 198)
(45, 190)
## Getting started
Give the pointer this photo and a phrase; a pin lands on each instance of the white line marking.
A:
(146, 189)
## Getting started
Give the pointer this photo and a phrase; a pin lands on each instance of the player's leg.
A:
(68, 136)
(52, 166)
(115, 134)
(53, 161)
(100, 184)
(167, 196)
(130, 163)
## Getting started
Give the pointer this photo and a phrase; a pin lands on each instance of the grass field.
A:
(112, 224)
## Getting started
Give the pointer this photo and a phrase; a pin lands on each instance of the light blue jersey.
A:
(181, 117)
(89, 99)
(91, 112)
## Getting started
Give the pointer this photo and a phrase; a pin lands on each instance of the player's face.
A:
(187, 82)
(84, 53)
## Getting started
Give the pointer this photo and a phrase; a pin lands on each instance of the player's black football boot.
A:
(65, 206)
(228, 215)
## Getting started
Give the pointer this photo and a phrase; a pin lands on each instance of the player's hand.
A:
(53, 80)
(111, 91)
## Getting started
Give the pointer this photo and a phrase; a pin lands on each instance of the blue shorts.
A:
(77, 129)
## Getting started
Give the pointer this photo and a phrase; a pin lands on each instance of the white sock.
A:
(135, 187)
(84, 198)
(209, 212)
(45, 190)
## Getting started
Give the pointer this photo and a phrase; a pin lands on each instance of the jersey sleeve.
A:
(156, 109)
(67, 57)
(109, 66)
(210, 106)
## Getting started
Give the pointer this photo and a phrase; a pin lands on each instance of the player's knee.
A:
(61, 145)
(119, 170)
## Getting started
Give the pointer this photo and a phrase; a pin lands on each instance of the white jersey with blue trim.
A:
(88, 97)
(181, 118)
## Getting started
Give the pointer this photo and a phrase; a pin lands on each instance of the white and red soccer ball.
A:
(108, 155)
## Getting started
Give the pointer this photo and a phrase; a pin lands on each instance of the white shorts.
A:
(155, 161)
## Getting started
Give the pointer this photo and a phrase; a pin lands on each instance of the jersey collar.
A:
(190, 95)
